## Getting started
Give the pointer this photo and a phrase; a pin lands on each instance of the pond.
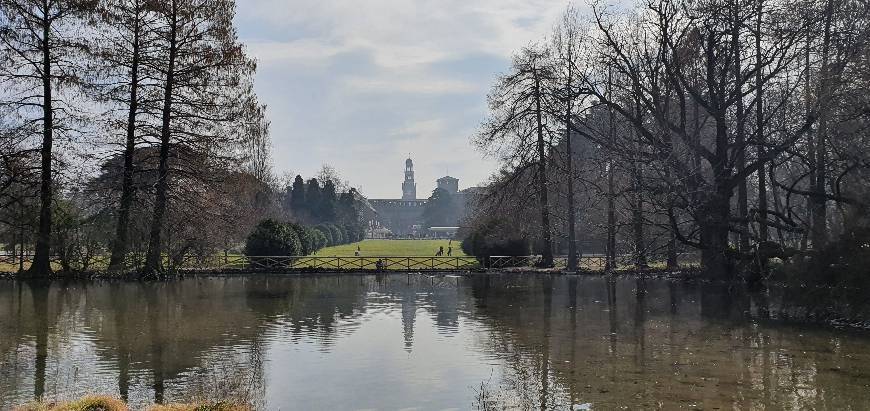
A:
(415, 341)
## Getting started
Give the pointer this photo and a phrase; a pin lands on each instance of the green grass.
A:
(393, 248)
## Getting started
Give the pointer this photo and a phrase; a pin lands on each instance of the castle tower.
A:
(449, 184)
(409, 187)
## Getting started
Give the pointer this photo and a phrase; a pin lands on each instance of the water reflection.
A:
(427, 341)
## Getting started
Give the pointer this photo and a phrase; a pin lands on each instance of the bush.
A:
(335, 233)
(320, 239)
(355, 232)
(493, 237)
(306, 238)
(842, 263)
(273, 238)
(327, 234)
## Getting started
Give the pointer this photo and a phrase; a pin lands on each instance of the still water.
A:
(425, 342)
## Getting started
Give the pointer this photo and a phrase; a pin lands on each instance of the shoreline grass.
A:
(110, 403)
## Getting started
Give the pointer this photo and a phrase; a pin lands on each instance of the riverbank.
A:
(687, 273)
(108, 403)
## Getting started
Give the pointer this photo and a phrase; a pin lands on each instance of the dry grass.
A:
(214, 406)
(87, 403)
(107, 403)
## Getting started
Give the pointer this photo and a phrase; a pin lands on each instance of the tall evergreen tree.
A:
(328, 199)
(312, 197)
(297, 195)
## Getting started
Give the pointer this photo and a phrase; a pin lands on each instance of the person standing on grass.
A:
(449, 251)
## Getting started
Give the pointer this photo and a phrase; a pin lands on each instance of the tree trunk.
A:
(119, 247)
(715, 261)
(21, 242)
(716, 212)
(760, 137)
(640, 260)
(41, 265)
(811, 144)
(610, 248)
(546, 241)
(672, 261)
(740, 134)
(154, 256)
(572, 230)
(820, 220)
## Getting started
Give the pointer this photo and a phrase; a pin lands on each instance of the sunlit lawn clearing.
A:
(393, 248)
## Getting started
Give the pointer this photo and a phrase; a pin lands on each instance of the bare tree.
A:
(39, 49)
(518, 132)
(127, 40)
(202, 68)
(674, 58)
(566, 43)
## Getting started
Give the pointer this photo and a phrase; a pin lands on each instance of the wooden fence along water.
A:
(316, 263)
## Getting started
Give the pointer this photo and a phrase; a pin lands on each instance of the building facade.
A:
(403, 217)
(409, 187)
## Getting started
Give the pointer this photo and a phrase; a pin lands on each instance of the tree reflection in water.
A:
(433, 341)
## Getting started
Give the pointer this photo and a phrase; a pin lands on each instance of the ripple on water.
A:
(426, 341)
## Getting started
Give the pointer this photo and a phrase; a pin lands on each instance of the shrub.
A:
(87, 403)
(306, 238)
(493, 237)
(842, 263)
(273, 238)
(320, 240)
(327, 234)
(335, 232)
(355, 232)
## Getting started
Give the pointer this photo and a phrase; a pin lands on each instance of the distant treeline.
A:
(279, 238)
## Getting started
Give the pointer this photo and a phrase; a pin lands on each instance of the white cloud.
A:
(303, 51)
(360, 83)
(409, 85)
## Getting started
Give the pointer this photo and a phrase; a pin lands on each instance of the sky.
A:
(361, 84)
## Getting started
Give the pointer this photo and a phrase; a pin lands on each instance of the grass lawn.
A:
(393, 248)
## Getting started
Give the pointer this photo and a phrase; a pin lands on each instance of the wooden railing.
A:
(384, 263)
(261, 263)
(217, 262)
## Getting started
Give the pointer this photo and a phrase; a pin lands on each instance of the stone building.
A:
(409, 187)
(449, 184)
(403, 217)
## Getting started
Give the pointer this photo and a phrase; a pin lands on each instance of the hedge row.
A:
(274, 238)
